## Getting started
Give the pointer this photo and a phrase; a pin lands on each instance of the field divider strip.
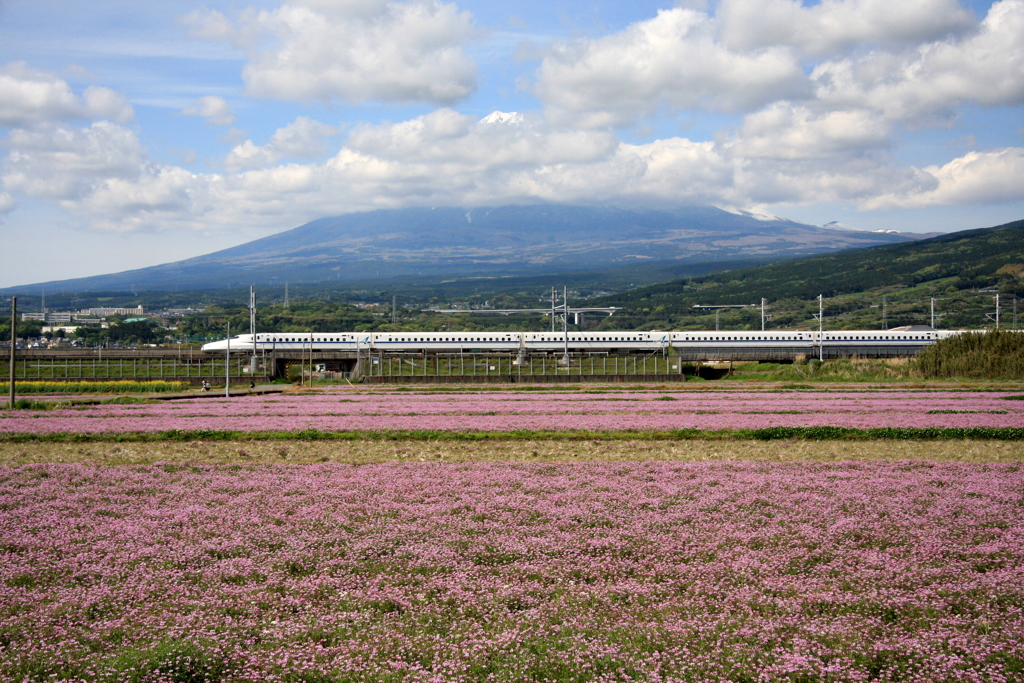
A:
(765, 434)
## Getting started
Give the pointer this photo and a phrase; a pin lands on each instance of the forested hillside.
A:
(879, 286)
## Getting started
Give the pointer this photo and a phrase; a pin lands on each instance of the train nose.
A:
(214, 346)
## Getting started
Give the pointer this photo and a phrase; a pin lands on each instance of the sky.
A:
(136, 133)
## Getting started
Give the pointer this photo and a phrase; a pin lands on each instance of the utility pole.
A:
(394, 309)
(997, 310)
(552, 310)
(311, 358)
(933, 312)
(227, 365)
(286, 296)
(14, 339)
(763, 301)
(821, 328)
(565, 322)
(885, 313)
(717, 311)
(252, 331)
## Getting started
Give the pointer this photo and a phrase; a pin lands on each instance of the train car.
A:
(790, 344)
(689, 345)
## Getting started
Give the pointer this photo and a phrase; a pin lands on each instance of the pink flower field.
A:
(336, 410)
(651, 571)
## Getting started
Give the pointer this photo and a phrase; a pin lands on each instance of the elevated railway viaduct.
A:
(189, 364)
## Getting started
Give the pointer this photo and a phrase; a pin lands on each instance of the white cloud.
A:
(158, 197)
(102, 176)
(58, 162)
(213, 25)
(827, 180)
(7, 203)
(785, 131)
(446, 137)
(835, 25)
(673, 60)
(104, 103)
(447, 159)
(212, 108)
(916, 62)
(101, 173)
(249, 155)
(975, 178)
(303, 138)
(29, 96)
(380, 50)
(934, 79)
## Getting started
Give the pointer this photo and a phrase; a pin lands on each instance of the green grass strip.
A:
(111, 387)
(768, 434)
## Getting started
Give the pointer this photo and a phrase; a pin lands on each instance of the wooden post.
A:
(14, 339)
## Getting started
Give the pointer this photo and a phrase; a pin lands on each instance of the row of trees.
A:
(119, 332)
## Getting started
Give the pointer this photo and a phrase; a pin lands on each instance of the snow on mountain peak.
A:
(510, 117)
(756, 215)
(836, 225)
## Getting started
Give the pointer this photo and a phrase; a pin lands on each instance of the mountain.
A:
(519, 240)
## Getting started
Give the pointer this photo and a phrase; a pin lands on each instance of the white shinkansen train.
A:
(688, 344)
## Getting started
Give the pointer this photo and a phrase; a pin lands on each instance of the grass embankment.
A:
(527, 450)
(994, 355)
(839, 370)
(50, 404)
(112, 387)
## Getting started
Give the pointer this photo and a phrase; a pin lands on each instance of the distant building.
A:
(64, 317)
(57, 317)
(112, 311)
(180, 312)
